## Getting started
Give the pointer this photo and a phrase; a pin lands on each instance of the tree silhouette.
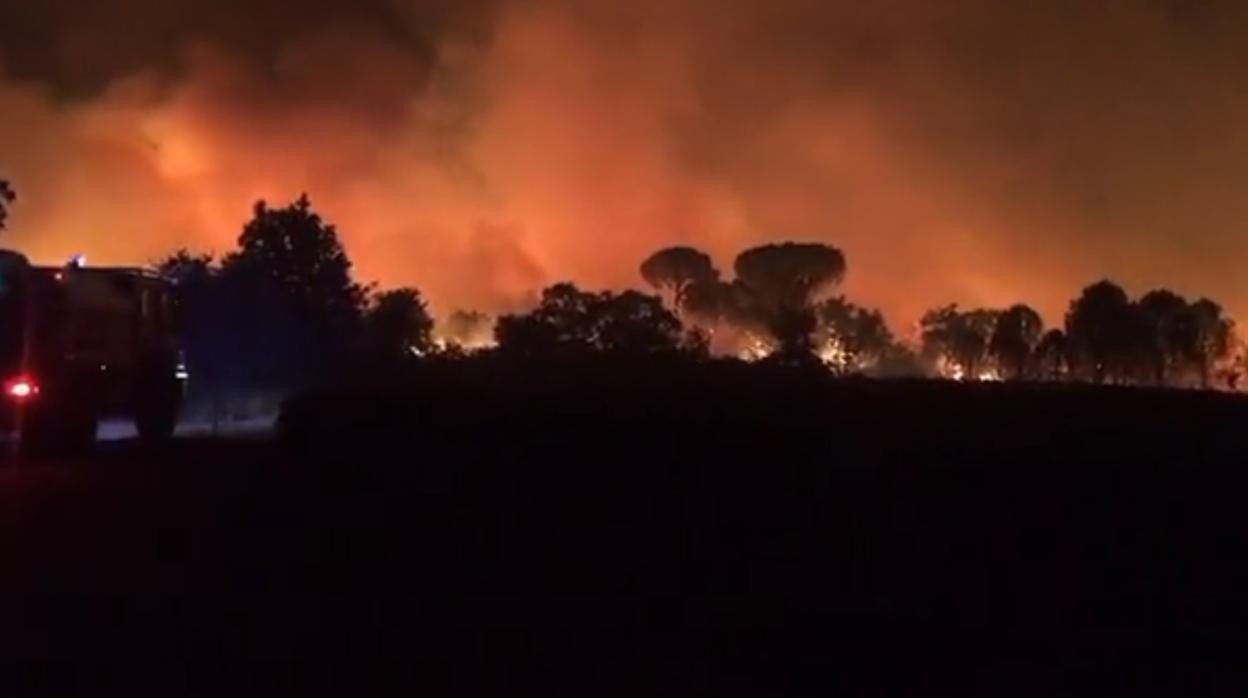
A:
(1215, 337)
(1014, 337)
(7, 197)
(560, 324)
(185, 270)
(961, 337)
(1169, 326)
(1050, 355)
(782, 282)
(674, 269)
(1103, 332)
(298, 311)
(861, 336)
(297, 250)
(634, 323)
(569, 312)
(528, 336)
(715, 302)
(723, 314)
(398, 324)
(571, 321)
(708, 301)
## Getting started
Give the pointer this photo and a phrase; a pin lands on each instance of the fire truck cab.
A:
(78, 343)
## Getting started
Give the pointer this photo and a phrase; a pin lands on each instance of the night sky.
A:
(977, 151)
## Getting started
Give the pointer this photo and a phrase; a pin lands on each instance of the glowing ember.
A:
(469, 345)
(755, 348)
(951, 370)
(834, 355)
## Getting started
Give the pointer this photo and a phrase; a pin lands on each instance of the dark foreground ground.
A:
(600, 537)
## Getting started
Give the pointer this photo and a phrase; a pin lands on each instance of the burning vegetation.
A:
(466, 330)
(284, 308)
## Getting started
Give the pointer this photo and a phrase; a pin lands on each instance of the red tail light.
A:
(21, 388)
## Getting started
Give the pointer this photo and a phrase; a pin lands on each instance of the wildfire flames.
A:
(558, 140)
(443, 344)
(952, 370)
(832, 352)
(755, 348)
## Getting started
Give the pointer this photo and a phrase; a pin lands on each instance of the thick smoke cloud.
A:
(970, 151)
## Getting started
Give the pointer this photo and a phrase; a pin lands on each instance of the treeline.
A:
(780, 305)
(283, 311)
(1158, 339)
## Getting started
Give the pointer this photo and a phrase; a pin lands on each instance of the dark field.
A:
(700, 531)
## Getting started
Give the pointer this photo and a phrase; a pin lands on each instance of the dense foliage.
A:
(283, 311)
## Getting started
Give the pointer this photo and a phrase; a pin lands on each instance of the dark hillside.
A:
(788, 530)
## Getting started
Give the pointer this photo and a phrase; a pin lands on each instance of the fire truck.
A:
(78, 343)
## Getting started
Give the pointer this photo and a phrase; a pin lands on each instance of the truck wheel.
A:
(59, 432)
(38, 438)
(80, 428)
(157, 417)
(154, 427)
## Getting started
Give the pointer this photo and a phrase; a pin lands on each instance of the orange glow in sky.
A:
(981, 162)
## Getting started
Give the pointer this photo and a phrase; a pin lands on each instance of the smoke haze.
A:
(967, 150)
